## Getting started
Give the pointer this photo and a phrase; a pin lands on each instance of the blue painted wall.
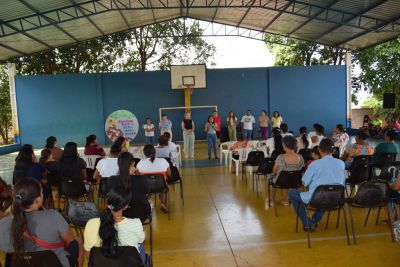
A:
(73, 106)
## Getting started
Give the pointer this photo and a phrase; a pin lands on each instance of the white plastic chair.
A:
(178, 154)
(224, 151)
(243, 153)
(137, 151)
(91, 160)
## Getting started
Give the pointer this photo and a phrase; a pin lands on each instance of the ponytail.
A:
(25, 193)
(150, 152)
(304, 139)
(108, 234)
(125, 161)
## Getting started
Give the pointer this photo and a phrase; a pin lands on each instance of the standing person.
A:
(92, 147)
(211, 130)
(276, 120)
(325, 171)
(56, 152)
(149, 132)
(217, 120)
(247, 125)
(263, 123)
(188, 135)
(232, 124)
(165, 125)
(30, 225)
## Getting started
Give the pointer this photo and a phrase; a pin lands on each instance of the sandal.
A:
(164, 210)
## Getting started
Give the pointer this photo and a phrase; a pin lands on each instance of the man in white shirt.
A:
(108, 167)
(248, 122)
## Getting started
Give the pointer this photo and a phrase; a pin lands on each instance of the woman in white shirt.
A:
(317, 135)
(112, 229)
(108, 167)
(153, 165)
(303, 142)
(340, 138)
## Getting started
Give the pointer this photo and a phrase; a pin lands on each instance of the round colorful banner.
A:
(122, 123)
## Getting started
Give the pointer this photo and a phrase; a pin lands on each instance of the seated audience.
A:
(153, 165)
(71, 165)
(315, 155)
(163, 150)
(30, 224)
(123, 143)
(389, 146)
(274, 144)
(285, 130)
(92, 148)
(56, 152)
(340, 137)
(112, 229)
(325, 171)
(303, 142)
(317, 135)
(172, 147)
(26, 166)
(359, 148)
(52, 167)
(108, 166)
(289, 161)
(128, 178)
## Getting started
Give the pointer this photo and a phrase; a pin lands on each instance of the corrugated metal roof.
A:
(29, 26)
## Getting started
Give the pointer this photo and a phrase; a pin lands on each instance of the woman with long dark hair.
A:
(30, 228)
(274, 144)
(51, 143)
(153, 165)
(303, 142)
(316, 135)
(232, 122)
(112, 229)
(71, 165)
(92, 148)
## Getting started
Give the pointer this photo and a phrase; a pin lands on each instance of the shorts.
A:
(218, 134)
(73, 250)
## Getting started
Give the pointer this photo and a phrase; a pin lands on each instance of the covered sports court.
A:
(223, 222)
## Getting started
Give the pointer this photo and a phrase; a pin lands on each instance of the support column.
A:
(188, 93)
(13, 100)
(348, 88)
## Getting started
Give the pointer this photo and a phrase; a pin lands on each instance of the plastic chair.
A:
(156, 184)
(285, 180)
(326, 198)
(45, 258)
(174, 179)
(72, 188)
(137, 151)
(224, 150)
(384, 159)
(242, 158)
(360, 171)
(370, 194)
(91, 161)
(78, 213)
(126, 256)
(264, 168)
(253, 160)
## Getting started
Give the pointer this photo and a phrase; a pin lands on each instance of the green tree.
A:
(380, 71)
(5, 106)
(150, 47)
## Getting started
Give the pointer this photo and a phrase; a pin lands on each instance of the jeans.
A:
(232, 132)
(247, 134)
(298, 206)
(142, 253)
(212, 142)
(149, 140)
(264, 133)
(188, 144)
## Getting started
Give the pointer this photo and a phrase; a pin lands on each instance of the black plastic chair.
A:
(72, 188)
(174, 179)
(253, 160)
(126, 256)
(326, 198)
(264, 168)
(371, 194)
(103, 190)
(78, 213)
(156, 184)
(142, 212)
(360, 171)
(306, 154)
(385, 159)
(285, 180)
(45, 258)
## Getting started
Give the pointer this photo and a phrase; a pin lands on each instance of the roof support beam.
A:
(13, 49)
(276, 17)
(310, 19)
(49, 20)
(87, 17)
(247, 12)
(122, 15)
(350, 19)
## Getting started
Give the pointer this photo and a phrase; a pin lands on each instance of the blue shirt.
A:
(325, 171)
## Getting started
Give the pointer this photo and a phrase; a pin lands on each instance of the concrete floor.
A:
(223, 223)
